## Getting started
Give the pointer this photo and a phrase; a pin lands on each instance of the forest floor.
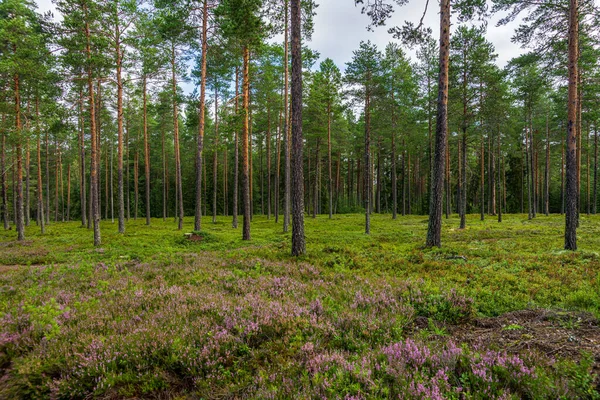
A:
(500, 311)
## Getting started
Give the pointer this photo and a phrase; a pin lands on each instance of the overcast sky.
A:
(339, 28)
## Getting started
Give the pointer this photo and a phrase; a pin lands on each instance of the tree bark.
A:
(367, 158)
(215, 156)
(547, 170)
(120, 193)
(245, 145)
(595, 196)
(330, 177)
(236, 161)
(146, 146)
(571, 168)
(286, 131)
(201, 120)
(297, 178)
(3, 183)
(94, 140)
(19, 220)
(176, 137)
(434, 231)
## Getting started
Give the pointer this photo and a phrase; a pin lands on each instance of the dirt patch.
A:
(194, 237)
(553, 333)
(7, 268)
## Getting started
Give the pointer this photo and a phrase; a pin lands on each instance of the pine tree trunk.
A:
(500, 188)
(571, 168)
(330, 177)
(528, 176)
(587, 192)
(82, 183)
(19, 212)
(176, 137)
(215, 157)
(463, 199)
(136, 173)
(482, 177)
(394, 172)
(268, 140)
(3, 182)
(27, 208)
(547, 170)
(47, 166)
(297, 189)
(120, 188)
(278, 166)
(236, 158)
(146, 147)
(94, 150)
(434, 231)
(286, 128)
(40, 194)
(245, 145)
(316, 186)
(201, 120)
(595, 197)
(165, 177)
(367, 158)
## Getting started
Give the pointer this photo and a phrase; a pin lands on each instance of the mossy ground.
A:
(501, 267)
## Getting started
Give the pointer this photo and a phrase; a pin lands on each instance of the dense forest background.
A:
(106, 81)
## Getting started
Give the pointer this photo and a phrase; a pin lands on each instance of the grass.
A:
(152, 313)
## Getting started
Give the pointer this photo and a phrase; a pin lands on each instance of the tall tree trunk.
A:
(68, 213)
(120, 188)
(434, 231)
(225, 172)
(587, 192)
(201, 121)
(571, 169)
(268, 139)
(394, 172)
(40, 194)
(367, 158)
(47, 162)
(19, 212)
(176, 137)
(532, 169)
(236, 157)
(528, 177)
(3, 182)
(245, 145)
(165, 177)
(27, 211)
(278, 167)
(562, 177)
(316, 199)
(298, 239)
(136, 190)
(82, 182)
(330, 177)
(215, 156)
(595, 197)
(463, 199)
(500, 188)
(56, 181)
(448, 183)
(146, 147)
(547, 170)
(94, 140)
(482, 178)
(286, 122)
(127, 175)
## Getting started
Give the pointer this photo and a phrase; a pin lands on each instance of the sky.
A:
(340, 26)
